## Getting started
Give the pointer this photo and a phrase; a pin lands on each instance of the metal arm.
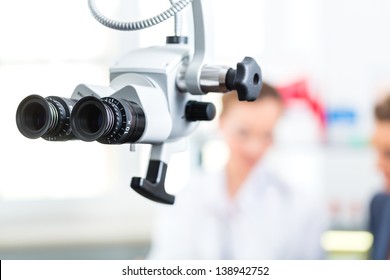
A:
(192, 76)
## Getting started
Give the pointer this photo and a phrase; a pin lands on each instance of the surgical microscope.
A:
(154, 97)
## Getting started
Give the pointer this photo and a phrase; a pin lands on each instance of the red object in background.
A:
(299, 91)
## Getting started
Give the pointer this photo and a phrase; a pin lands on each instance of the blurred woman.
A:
(243, 211)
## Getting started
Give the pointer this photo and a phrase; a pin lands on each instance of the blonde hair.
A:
(267, 91)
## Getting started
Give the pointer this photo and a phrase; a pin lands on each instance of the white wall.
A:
(73, 192)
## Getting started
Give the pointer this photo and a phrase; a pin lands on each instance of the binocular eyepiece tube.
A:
(107, 120)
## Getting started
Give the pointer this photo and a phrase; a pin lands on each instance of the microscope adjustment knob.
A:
(246, 80)
(200, 111)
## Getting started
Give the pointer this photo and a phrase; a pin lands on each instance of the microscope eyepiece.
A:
(45, 117)
(91, 119)
(107, 120)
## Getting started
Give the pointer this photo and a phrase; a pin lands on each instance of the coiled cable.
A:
(137, 25)
(178, 20)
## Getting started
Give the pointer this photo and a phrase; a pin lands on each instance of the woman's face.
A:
(248, 129)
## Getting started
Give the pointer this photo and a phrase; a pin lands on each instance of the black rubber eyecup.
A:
(89, 119)
(33, 116)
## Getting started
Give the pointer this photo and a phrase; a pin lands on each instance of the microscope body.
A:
(145, 79)
(154, 97)
(148, 77)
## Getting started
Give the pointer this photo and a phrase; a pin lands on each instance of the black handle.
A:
(153, 187)
(200, 111)
(246, 80)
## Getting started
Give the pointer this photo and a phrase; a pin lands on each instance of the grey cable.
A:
(137, 25)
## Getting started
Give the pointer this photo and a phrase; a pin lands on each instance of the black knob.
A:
(246, 80)
(200, 111)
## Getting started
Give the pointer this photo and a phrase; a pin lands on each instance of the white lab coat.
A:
(266, 220)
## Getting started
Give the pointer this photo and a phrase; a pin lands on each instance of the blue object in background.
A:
(341, 115)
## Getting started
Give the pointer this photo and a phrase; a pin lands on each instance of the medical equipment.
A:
(154, 97)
